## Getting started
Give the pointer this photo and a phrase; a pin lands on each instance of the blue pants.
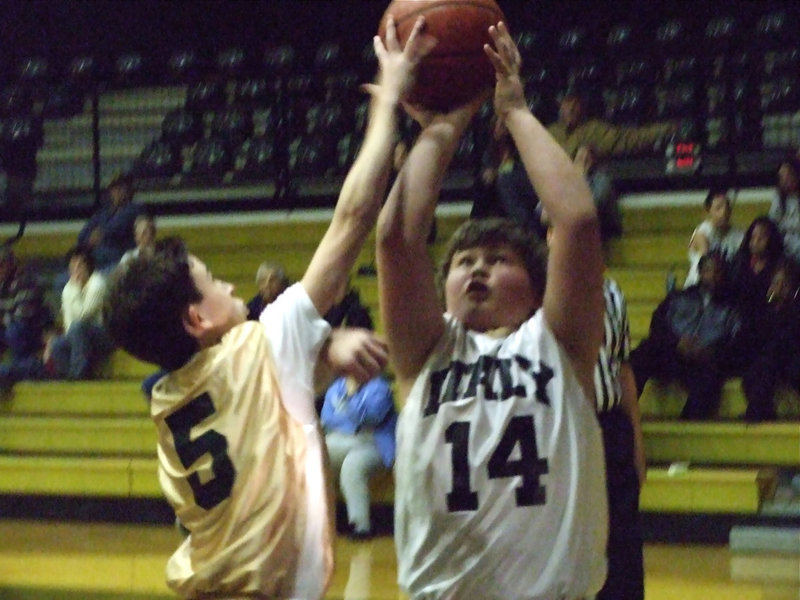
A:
(24, 343)
(76, 353)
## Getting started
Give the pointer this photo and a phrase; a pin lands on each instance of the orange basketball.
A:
(457, 69)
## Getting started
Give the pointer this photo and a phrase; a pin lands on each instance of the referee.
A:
(618, 413)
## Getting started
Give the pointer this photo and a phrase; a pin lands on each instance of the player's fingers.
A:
(419, 24)
(369, 88)
(495, 59)
(502, 40)
(379, 357)
(369, 365)
(418, 44)
(380, 51)
(392, 45)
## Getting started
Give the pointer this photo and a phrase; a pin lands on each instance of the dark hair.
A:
(774, 246)
(146, 301)
(493, 232)
(713, 193)
(83, 251)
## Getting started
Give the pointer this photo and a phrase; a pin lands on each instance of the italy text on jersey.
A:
(490, 377)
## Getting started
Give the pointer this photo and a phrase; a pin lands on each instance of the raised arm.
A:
(573, 300)
(411, 313)
(365, 185)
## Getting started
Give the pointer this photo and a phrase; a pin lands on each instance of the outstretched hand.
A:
(355, 352)
(398, 64)
(509, 92)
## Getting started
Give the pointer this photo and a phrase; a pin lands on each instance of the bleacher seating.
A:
(94, 439)
(244, 123)
(729, 73)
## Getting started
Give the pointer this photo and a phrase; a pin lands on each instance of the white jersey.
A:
(241, 460)
(727, 244)
(500, 476)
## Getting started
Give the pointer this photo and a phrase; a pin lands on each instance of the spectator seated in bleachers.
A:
(24, 319)
(753, 266)
(693, 337)
(785, 206)
(359, 422)
(348, 310)
(144, 233)
(85, 343)
(777, 357)
(109, 231)
(574, 128)
(603, 191)
(714, 234)
(503, 188)
(271, 280)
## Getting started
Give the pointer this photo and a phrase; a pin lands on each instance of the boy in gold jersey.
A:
(241, 458)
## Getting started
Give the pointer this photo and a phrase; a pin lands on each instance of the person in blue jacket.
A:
(359, 423)
(109, 231)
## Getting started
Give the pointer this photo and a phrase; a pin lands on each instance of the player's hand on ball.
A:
(397, 64)
(509, 92)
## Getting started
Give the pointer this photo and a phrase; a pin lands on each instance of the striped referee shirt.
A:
(615, 349)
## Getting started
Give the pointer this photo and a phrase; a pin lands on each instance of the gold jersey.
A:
(242, 460)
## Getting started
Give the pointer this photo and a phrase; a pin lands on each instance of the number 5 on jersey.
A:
(210, 493)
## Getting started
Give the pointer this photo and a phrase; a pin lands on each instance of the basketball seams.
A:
(438, 6)
(457, 68)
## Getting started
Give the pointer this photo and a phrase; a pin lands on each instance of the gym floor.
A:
(71, 561)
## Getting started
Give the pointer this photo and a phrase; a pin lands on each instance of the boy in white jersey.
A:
(500, 489)
(241, 458)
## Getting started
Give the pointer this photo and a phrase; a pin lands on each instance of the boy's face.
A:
(720, 211)
(219, 309)
(488, 287)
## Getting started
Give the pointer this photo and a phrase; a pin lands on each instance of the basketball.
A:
(457, 69)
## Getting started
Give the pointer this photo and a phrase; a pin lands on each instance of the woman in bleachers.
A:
(785, 207)
(777, 361)
(753, 265)
(144, 234)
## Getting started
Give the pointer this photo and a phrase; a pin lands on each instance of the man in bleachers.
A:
(85, 343)
(693, 335)
(24, 318)
(271, 280)
(109, 231)
(574, 128)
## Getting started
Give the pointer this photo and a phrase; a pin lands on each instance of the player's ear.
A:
(193, 321)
